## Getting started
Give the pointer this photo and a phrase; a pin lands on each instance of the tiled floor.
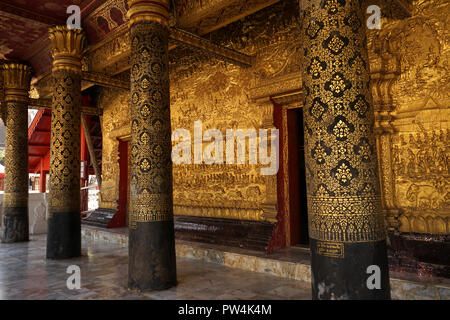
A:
(26, 274)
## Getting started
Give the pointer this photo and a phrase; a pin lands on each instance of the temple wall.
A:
(413, 102)
(115, 125)
(217, 93)
(411, 89)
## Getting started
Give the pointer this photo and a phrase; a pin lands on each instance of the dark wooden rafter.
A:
(105, 81)
(191, 40)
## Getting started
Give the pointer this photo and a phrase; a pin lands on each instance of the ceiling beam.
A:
(177, 37)
(28, 14)
(191, 40)
(47, 104)
(212, 15)
(104, 80)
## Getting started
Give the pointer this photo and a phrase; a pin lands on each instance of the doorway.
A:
(123, 201)
(298, 210)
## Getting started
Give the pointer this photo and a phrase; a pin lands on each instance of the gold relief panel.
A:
(115, 124)
(109, 51)
(422, 44)
(422, 175)
(409, 74)
(410, 82)
(218, 94)
(222, 212)
(226, 186)
(270, 45)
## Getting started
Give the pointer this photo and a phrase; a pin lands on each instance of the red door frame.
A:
(293, 175)
(120, 218)
(287, 230)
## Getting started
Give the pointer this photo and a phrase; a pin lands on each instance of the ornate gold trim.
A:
(205, 16)
(148, 11)
(17, 79)
(253, 214)
(68, 48)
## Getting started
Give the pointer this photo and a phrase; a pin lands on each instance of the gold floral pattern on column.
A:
(341, 164)
(68, 46)
(151, 197)
(17, 79)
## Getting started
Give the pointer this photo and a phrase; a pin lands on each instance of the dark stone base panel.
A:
(254, 235)
(346, 278)
(423, 254)
(152, 261)
(64, 235)
(100, 217)
(15, 224)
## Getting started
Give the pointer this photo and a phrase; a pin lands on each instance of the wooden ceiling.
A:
(24, 24)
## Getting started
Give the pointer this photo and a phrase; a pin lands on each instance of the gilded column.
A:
(346, 229)
(64, 221)
(152, 263)
(17, 79)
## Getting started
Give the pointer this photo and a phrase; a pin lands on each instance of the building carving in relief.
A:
(218, 94)
(422, 172)
(410, 86)
(115, 125)
(107, 17)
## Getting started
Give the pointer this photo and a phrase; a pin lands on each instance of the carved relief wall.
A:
(411, 88)
(218, 94)
(115, 125)
(411, 85)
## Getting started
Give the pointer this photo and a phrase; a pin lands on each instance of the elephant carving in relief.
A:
(423, 195)
(235, 194)
(253, 192)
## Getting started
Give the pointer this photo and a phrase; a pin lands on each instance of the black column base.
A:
(152, 261)
(345, 278)
(15, 224)
(64, 235)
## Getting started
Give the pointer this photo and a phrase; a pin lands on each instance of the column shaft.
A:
(152, 263)
(345, 222)
(15, 204)
(64, 221)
